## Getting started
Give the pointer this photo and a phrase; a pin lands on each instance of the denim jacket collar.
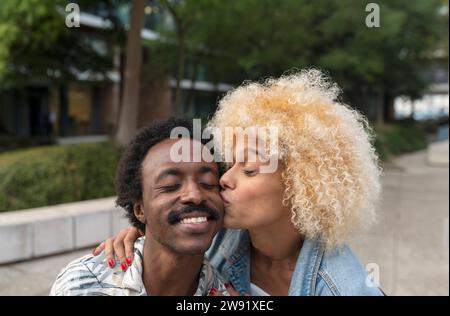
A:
(238, 264)
(304, 277)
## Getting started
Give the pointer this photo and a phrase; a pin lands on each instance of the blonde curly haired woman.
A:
(286, 231)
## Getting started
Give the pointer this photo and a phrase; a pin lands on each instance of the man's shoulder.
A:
(88, 275)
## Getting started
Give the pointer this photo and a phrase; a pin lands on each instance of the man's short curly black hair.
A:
(128, 177)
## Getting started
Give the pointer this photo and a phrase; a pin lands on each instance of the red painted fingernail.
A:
(111, 263)
(128, 261)
(123, 266)
(213, 291)
(227, 285)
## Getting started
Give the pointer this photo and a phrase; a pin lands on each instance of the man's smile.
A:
(194, 224)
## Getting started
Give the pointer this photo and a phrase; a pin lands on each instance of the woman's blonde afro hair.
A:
(331, 170)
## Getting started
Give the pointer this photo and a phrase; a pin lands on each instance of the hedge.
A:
(57, 174)
(396, 139)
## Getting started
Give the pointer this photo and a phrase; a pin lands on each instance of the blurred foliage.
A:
(243, 40)
(256, 38)
(240, 40)
(36, 45)
(399, 138)
(57, 174)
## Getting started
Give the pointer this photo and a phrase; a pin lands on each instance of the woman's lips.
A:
(225, 201)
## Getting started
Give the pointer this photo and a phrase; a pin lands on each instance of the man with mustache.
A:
(177, 205)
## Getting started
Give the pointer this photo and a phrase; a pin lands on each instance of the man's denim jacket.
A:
(317, 273)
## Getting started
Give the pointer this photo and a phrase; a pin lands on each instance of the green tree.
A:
(35, 43)
(256, 38)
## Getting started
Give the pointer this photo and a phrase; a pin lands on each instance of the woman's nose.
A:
(227, 181)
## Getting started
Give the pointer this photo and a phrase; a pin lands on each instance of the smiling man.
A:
(177, 205)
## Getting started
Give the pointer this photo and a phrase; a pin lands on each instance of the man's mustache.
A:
(175, 216)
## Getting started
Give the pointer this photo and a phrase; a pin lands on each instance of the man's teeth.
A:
(193, 220)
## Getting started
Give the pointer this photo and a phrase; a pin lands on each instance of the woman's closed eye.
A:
(249, 172)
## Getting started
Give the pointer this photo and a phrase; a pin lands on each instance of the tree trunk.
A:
(130, 101)
(94, 122)
(180, 70)
(63, 111)
(389, 111)
(380, 107)
(413, 109)
(117, 91)
(191, 92)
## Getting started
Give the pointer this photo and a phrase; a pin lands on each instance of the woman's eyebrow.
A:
(245, 153)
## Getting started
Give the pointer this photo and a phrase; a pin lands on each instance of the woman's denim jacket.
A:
(317, 273)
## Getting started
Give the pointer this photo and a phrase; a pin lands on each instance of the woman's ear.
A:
(138, 210)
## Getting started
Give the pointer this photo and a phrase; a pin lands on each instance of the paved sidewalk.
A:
(34, 277)
(409, 243)
(438, 154)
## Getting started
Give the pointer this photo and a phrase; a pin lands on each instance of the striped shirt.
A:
(90, 275)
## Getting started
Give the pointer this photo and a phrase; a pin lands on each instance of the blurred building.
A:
(434, 104)
(90, 105)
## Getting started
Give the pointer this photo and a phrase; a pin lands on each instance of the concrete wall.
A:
(43, 231)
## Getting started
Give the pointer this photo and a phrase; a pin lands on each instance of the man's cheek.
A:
(218, 202)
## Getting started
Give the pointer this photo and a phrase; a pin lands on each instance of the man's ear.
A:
(138, 210)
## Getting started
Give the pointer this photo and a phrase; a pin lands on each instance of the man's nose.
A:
(192, 193)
